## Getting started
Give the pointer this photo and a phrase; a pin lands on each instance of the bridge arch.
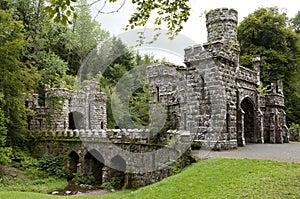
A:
(73, 161)
(117, 171)
(93, 165)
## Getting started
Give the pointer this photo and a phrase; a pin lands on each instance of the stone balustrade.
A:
(115, 135)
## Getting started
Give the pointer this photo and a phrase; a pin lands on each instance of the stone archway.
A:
(93, 165)
(73, 160)
(76, 120)
(248, 120)
(117, 171)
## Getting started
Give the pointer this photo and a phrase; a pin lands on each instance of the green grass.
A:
(40, 186)
(214, 178)
(30, 180)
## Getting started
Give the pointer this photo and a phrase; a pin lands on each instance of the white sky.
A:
(195, 27)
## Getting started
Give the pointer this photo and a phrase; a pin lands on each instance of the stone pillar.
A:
(273, 88)
(278, 129)
(240, 128)
(260, 126)
(105, 174)
(286, 135)
(280, 87)
(243, 128)
(272, 127)
(256, 66)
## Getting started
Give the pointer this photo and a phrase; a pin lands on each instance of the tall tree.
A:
(265, 33)
(295, 22)
(17, 78)
(88, 34)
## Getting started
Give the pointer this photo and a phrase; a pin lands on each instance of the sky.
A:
(195, 28)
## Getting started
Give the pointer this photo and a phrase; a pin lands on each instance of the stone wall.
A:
(222, 105)
(272, 105)
(86, 109)
(105, 146)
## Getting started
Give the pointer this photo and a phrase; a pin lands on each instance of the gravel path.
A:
(281, 152)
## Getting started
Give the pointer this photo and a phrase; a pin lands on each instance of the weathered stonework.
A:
(90, 152)
(225, 109)
(214, 100)
(65, 109)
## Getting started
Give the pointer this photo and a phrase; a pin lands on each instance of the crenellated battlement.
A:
(221, 25)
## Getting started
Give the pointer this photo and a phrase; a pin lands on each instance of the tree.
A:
(173, 13)
(295, 22)
(265, 33)
(5, 152)
(88, 34)
(17, 78)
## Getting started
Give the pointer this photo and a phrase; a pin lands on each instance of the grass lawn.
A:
(214, 178)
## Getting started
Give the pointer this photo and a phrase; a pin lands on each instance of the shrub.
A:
(53, 165)
(5, 152)
(22, 159)
(196, 145)
(115, 183)
(80, 178)
(294, 132)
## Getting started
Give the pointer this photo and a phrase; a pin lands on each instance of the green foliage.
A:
(170, 13)
(80, 178)
(294, 132)
(17, 78)
(52, 68)
(53, 165)
(27, 162)
(114, 183)
(61, 10)
(24, 184)
(55, 104)
(89, 32)
(196, 145)
(5, 152)
(139, 106)
(265, 33)
(263, 89)
(295, 22)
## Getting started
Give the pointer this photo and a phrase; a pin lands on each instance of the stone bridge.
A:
(131, 155)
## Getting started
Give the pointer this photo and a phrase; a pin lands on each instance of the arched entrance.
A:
(93, 165)
(248, 120)
(117, 171)
(73, 160)
(76, 120)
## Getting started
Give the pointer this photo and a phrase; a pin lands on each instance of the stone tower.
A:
(221, 27)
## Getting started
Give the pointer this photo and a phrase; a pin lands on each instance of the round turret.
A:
(221, 25)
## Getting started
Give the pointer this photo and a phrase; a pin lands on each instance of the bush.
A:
(115, 183)
(79, 178)
(22, 159)
(294, 132)
(196, 145)
(53, 165)
(5, 152)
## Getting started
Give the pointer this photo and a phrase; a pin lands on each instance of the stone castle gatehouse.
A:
(215, 80)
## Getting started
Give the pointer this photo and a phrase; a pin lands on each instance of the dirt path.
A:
(93, 193)
(281, 152)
